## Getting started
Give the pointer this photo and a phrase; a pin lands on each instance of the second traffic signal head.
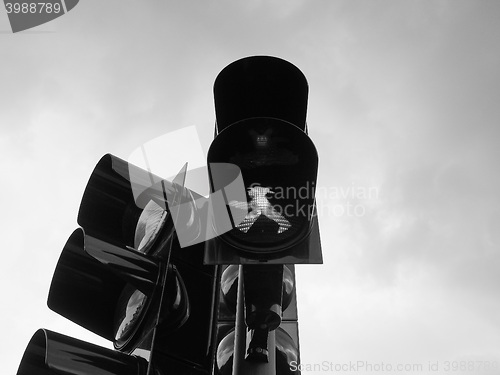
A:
(268, 142)
(130, 207)
(113, 292)
(50, 353)
(287, 340)
(113, 271)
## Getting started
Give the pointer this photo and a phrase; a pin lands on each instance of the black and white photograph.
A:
(250, 187)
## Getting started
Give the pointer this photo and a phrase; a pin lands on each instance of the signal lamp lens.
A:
(287, 352)
(225, 354)
(278, 162)
(132, 302)
(129, 312)
(260, 205)
(149, 226)
(288, 287)
(229, 286)
(267, 222)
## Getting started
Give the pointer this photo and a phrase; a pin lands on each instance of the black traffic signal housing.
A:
(50, 353)
(261, 105)
(111, 273)
(287, 334)
(260, 86)
(124, 276)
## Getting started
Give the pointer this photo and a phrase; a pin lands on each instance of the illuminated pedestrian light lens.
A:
(267, 221)
(278, 163)
(260, 205)
(129, 311)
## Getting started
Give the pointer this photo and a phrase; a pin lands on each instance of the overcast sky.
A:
(403, 109)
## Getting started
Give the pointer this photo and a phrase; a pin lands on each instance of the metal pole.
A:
(240, 365)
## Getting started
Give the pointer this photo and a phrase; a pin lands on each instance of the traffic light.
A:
(50, 353)
(138, 273)
(261, 107)
(287, 335)
(110, 275)
(124, 276)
